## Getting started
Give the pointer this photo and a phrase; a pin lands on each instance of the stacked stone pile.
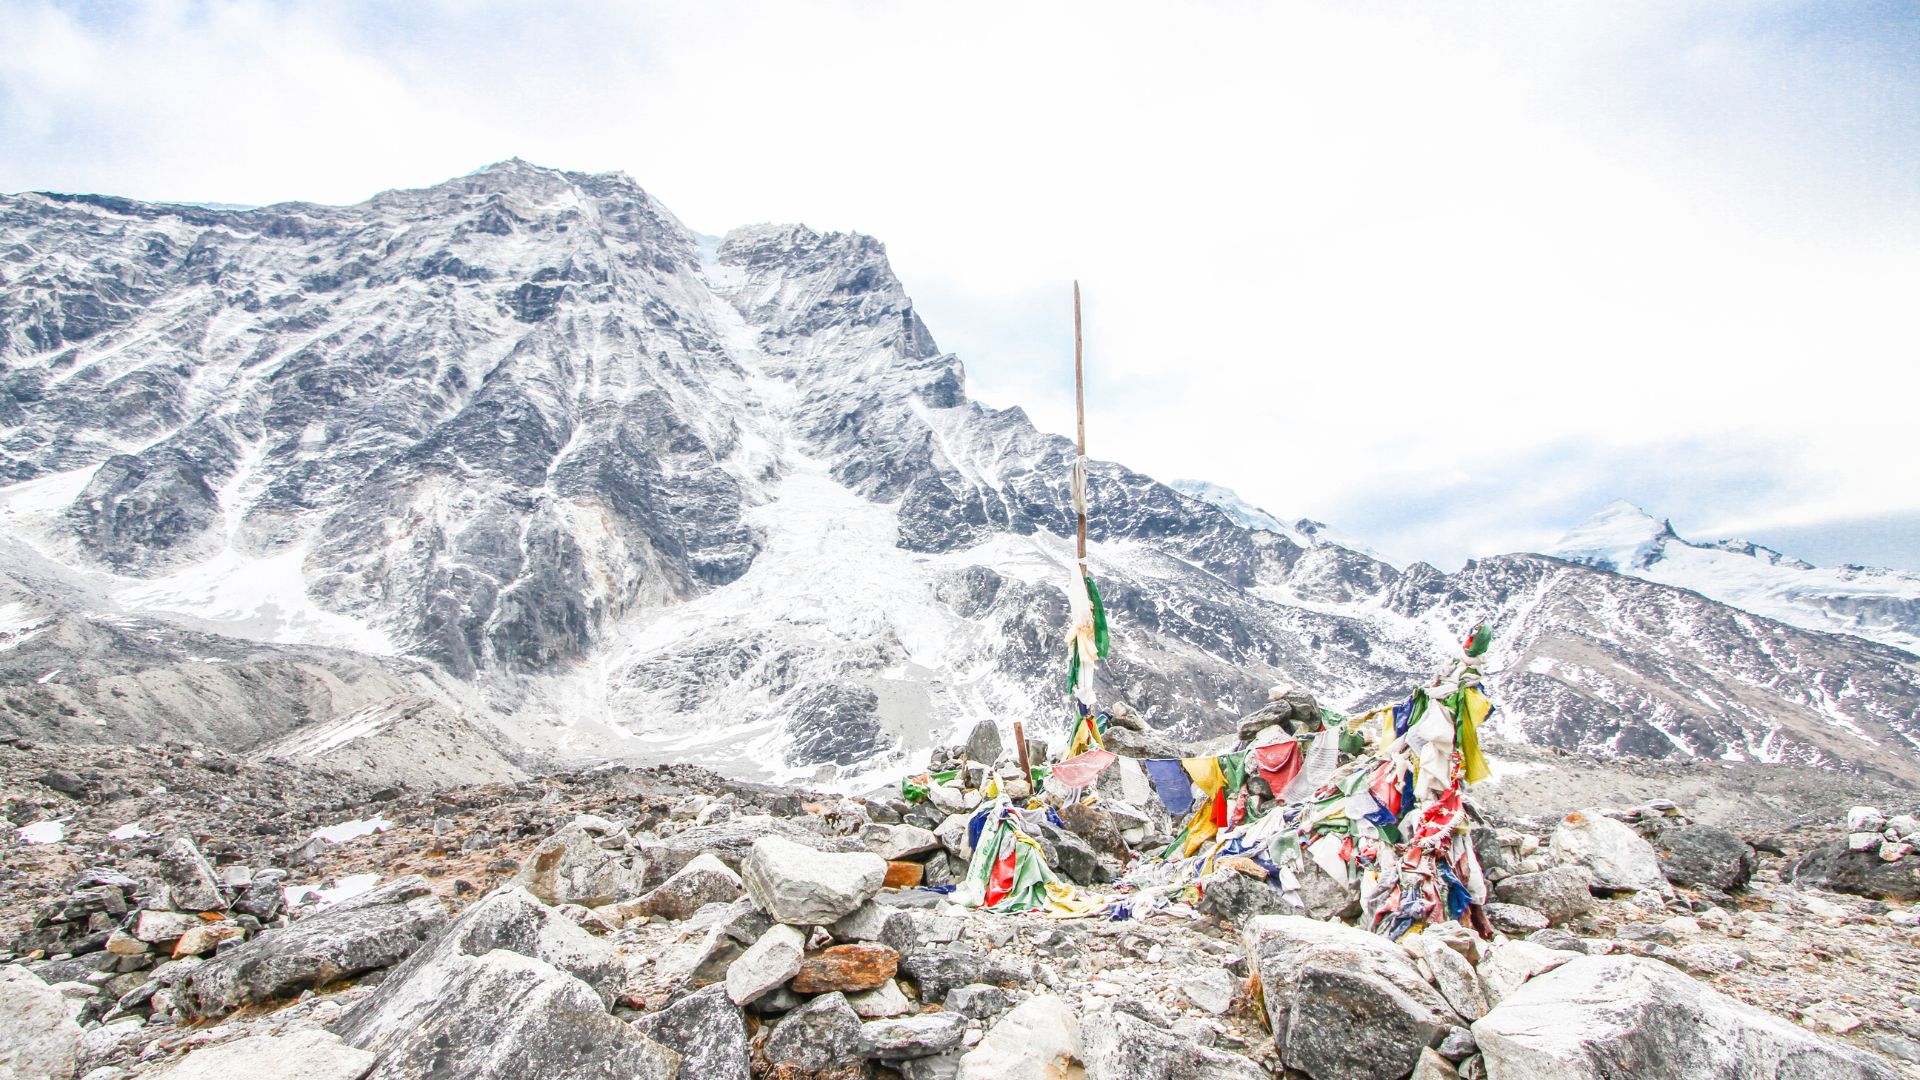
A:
(671, 923)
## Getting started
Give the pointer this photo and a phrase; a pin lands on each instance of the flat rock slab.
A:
(303, 1055)
(847, 968)
(772, 960)
(376, 929)
(1561, 893)
(1626, 1018)
(911, 1036)
(508, 919)
(509, 1017)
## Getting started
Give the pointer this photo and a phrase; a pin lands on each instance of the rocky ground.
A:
(655, 896)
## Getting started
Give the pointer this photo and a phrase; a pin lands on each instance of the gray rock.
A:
(190, 878)
(803, 887)
(730, 842)
(1561, 894)
(1235, 897)
(510, 919)
(819, 1034)
(1557, 939)
(937, 1067)
(1117, 1045)
(1835, 868)
(875, 922)
(1631, 1019)
(1343, 1004)
(977, 1000)
(1212, 989)
(1076, 859)
(264, 898)
(309, 1054)
(1458, 1044)
(1457, 982)
(772, 960)
(1618, 858)
(707, 1030)
(570, 867)
(954, 833)
(376, 929)
(38, 1040)
(154, 926)
(882, 1001)
(892, 842)
(1516, 919)
(935, 971)
(1142, 744)
(900, 1037)
(983, 744)
(743, 922)
(704, 880)
(1036, 1040)
(507, 1017)
(1701, 856)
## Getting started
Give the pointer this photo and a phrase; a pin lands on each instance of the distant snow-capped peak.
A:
(1871, 602)
(1302, 531)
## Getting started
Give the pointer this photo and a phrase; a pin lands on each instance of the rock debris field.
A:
(178, 910)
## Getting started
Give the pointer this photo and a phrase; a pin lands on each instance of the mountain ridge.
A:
(614, 492)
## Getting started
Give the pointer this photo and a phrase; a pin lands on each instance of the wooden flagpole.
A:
(1080, 414)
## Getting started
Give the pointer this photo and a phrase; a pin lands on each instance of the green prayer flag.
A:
(1100, 640)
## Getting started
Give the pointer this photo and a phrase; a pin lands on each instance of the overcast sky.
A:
(1447, 276)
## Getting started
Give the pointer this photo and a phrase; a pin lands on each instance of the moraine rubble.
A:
(626, 913)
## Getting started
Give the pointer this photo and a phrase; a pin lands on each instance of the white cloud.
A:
(1453, 275)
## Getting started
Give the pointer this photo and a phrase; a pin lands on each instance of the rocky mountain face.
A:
(524, 444)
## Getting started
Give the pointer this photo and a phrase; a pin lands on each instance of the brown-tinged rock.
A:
(846, 968)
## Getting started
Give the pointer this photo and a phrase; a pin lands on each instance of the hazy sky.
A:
(1448, 276)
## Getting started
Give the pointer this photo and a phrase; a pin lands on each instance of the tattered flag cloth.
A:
(1086, 633)
(1080, 770)
(1278, 763)
(1009, 874)
(1086, 733)
(1171, 783)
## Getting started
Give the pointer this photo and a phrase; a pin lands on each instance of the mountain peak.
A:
(1620, 537)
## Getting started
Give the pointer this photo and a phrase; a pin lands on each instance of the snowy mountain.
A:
(1304, 532)
(523, 444)
(1871, 602)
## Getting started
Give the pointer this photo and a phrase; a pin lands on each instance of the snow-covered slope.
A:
(1878, 604)
(1303, 531)
(522, 443)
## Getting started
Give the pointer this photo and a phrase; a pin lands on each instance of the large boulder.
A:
(510, 1016)
(1560, 893)
(1863, 873)
(1701, 856)
(376, 929)
(1343, 1004)
(1626, 1018)
(1037, 1040)
(894, 842)
(730, 842)
(508, 919)
(1618, 858)
(708, 1032)
(801, 886)
(705, 880)
(822, 1033)
(1101, 830)
(38, 1041)
(847, 968)
(571, 867)
(1117, 1045)
(311, 1054)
